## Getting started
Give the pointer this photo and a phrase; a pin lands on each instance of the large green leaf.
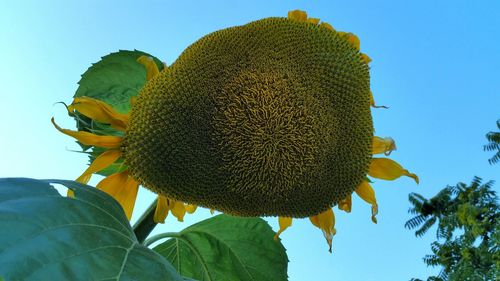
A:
(227, 248)
(115, 79)
(45, 236)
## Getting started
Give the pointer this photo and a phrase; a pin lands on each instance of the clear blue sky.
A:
(435, 63)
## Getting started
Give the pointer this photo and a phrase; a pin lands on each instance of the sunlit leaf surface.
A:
(45, 236)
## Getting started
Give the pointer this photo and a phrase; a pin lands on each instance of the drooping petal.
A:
(284, 223)
(177, 208)
(123, 188)
(161, 210)
(383, 145)
(150, 65)
(100, 111)
(326, 222)
(327, 26)
(297, 15)
(366, 192)
(387, 169)
(101, 162)
(191, 208)
(346, 204)
(91, 139)
(372, 102)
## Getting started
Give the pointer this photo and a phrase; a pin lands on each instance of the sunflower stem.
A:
(145, 224)
(160, 236)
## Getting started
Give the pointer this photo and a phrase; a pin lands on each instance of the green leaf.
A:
(46, 236)
(227, 248)
(115, 79)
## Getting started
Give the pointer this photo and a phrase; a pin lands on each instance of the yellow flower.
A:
(271, 118)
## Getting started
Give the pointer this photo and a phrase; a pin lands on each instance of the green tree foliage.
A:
(494, 144)
(468, 237)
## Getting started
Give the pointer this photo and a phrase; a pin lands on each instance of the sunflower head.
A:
(269, 118)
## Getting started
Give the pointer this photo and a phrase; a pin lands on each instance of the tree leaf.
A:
(115, 79)
(46, 236)
(227, 248)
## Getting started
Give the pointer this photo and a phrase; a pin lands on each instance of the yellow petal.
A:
(297, 15)
(387, 169)
(190, 208)
(383, 145)
(101, 162)
(150, 65)
(354, 40)
(366, 58)
(123, 188)
(314, 21)
(366, 192)
(346, 204)
(161, 210)
(177, 208)
(284, 223)
(326, 222)
(100, 111)
(70, 193)
(91, 139)
(372, 102)
(327, 26)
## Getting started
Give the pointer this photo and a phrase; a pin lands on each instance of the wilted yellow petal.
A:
(150, 65)
(123, 188)
(383, 145)
(100, 111)
(326, 222)
(387, 169)
(177, 208)
(327, 26)
(101, 162)
(190, 208)
(366, 192)
(346, 204)
(366, 58)
(313, 20)
(284, 223)
(372, 102)
(91, 139)
(161, 210)
(297, 15)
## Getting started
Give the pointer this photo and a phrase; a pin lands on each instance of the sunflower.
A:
(271, 118)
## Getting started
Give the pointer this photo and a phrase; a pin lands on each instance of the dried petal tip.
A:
(366, 192)
(326, 222)
(383, 145)
(372, 102)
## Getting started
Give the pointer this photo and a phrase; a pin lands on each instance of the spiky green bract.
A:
(268, 118)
